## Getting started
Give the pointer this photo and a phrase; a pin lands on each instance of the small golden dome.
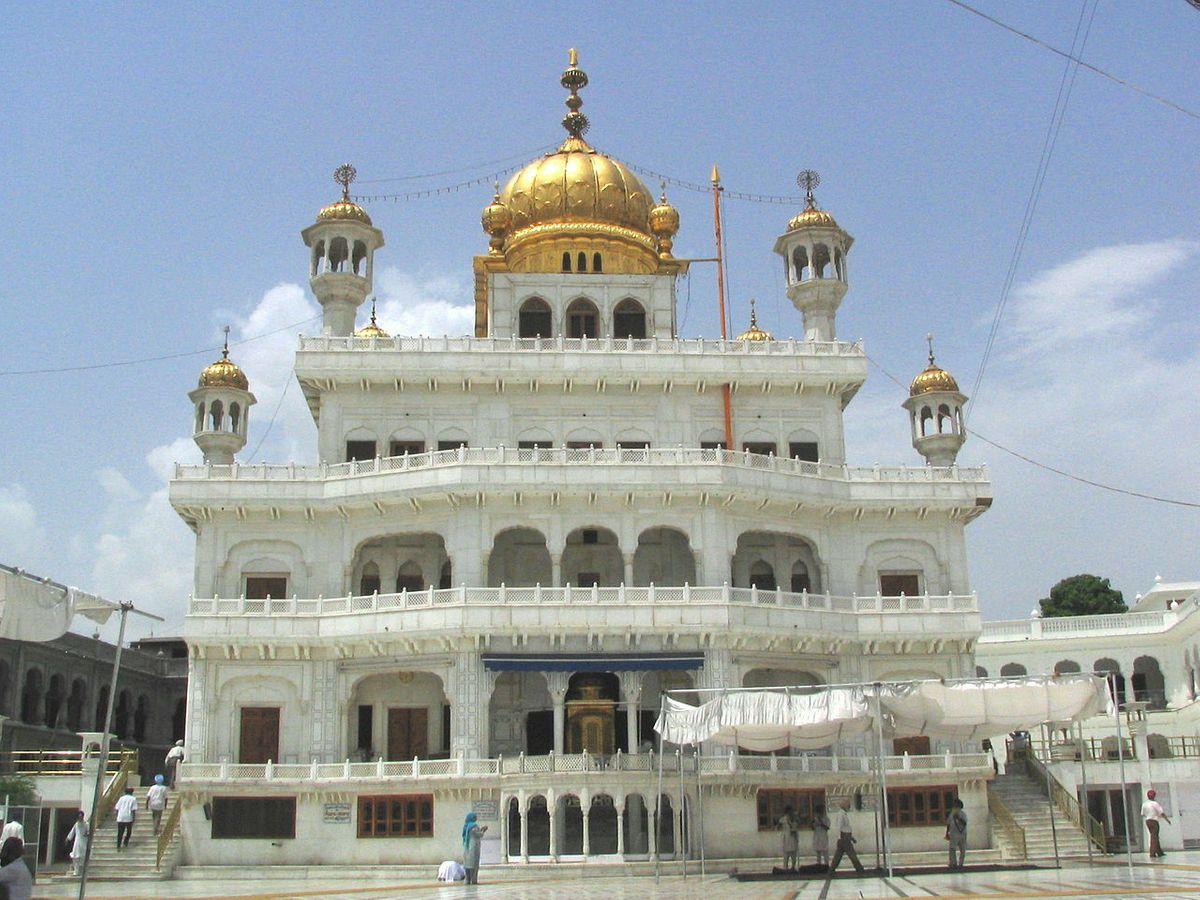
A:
(224, 372)
(754, 333)
(496, 219)
(371, 329)
(811, 217)
(932, 378)
(345, 208)
(664, 224)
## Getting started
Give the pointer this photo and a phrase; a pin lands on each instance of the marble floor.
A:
(1177, 876)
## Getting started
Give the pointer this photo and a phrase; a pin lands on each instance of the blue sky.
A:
(161, 160)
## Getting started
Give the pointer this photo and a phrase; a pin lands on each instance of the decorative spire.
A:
(374, 324)
(753, 314)
(344, 175)
(225, 351)
(574, 78)
(809, 179)
(929, 340)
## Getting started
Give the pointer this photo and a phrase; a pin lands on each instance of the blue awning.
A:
(591, 662)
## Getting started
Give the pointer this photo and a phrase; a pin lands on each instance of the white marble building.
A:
(514, 541)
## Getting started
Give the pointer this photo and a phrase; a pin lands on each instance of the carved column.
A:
(621, 830)
(628, 569)
(523, 809)
(557, 683)
(552, 810)
(556, 570)
(587, 831)
(466, 684)
(631, 690)
(325, 712)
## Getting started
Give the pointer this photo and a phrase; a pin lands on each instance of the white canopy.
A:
(36, 609)
(776, 719)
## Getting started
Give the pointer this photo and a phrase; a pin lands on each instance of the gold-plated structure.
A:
(811, 216)
(754, 333)
(932, 377)
(496, 220)
(664, 223)
(345, 208)
(591, 721)
(224, 372)
(372, 329)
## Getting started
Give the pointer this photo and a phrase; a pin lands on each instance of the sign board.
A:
(336, 814)
(486, 810)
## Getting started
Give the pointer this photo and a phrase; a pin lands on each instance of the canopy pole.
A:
(1047, 738)
(887, 834)
(662, 709)
(1084, 808)
(680, 843)
(700, 810)
(1116, 705)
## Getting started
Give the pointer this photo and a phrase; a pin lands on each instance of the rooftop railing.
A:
(592, 456)
(1084, 626)
(571, 763)
(622, 595)
(689, 346)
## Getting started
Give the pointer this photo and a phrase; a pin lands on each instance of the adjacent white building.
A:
(515, 540)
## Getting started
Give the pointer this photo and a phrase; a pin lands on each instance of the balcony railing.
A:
(1085, 626)
(652, 595)
(573, 763)
(40, 763)
(694, 347)
(562, 456)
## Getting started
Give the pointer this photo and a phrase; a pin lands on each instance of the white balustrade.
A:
(1149, 622)
(689, 346)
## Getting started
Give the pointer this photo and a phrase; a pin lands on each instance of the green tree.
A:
(19, 790)
(1083, 595)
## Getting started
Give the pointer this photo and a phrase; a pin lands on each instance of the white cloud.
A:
(435, 306)
(21, 534)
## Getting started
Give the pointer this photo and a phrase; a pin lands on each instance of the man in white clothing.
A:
(156, 801)
(174, 758)
(845, 843)
(126, 807)
(1152, 811)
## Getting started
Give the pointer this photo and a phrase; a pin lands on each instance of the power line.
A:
(490, 162)
(278, 406)
(1065, 84)
(148, 359)
(1046, 466)
(1101, 72)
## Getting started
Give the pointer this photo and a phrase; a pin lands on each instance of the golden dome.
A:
(811, 217)
(574, 198)
(371, 329)
(345, 208)
(496, 220)
(664, 223)
(224, 372)
(932, 378)
(754, 333)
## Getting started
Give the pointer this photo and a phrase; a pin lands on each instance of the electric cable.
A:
(148, 359)
(1062, 98)
(1046, 466)
(278, 406)
(490, 162)
(1091, 68)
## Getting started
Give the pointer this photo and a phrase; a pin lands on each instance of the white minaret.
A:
(222, 403)
(342, 243)
(935, 411)
(814, 253)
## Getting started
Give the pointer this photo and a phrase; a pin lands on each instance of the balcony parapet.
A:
(1073, 627)
(681, 346)
(499, 770)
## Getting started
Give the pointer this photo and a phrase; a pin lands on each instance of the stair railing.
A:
(1012, 828)
(168, 831)
(1083, 819)
(116, 787)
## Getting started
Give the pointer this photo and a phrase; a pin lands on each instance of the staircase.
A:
(137, 860)
(1026, 802)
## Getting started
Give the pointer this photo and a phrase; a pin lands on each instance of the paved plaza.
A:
(1178, 877)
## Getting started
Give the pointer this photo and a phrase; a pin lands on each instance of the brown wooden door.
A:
(408, 733)
(259, 735)
(913, 746)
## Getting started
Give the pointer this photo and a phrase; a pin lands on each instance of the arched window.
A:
(1110, 668)
(820, 261)
(359, 259)
(446, 578)
(199, 416)
(800, 579)
(762, 576)
(101, 718)
(31, 697)
(369, 583)
(55, 696)
(318, 255)
(629, 320)
(944, 421)
(5, 688)
(1148, 684)
(980, 672)
(839, 264)
(75, 704)
(216, 415)
(926, 420)
(1066, 667)
(408, 578)
(235, 418)
(1009, 670)
(566, 262)
(339, 255)
(121, 715)
(141, 718)
(179, 719)
(800, 270)
(582, 319)
(534, 319)
(581, 262)
(597, 262)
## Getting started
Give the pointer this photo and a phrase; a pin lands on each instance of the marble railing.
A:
(560, 456)
(572, 763)
(653, 595)
(695, 347)
(1149, 622)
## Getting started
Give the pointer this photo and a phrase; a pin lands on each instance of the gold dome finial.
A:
(344, 208)
(496, 219)
(371, 330)
(576, 123)
(933, 377)
(224, 372)
(754, 333)
(810, 215)
(664, 223)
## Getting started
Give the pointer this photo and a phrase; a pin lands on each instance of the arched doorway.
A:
(592, 726)
(602, 826)
(664, 820)
(1148, 683)
(534, 319)
(629, 320)
(592, 556)
(583, 320)
(399, 716)
(635, 824)
(664, 557)
(569, 821)
(537, 825)
(772, 560)
(519, 558)
(400, 562)
(1111, 669)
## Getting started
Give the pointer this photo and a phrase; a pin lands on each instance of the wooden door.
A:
(408, 733)
(913, 746)
(259, 740)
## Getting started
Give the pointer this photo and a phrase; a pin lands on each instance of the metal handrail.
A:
(1008, 822)
(1084, 820)
(41, 763)
(116, 787)
(168, 831)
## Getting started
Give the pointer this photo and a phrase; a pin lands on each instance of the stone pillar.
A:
(628, 557)
(557, 683)
(327, 713)
(466, 685)
(587, 819)
(631, 689)
(620, 830)
(651, 831)
(522, 808)
(556, 569)
(552, 810)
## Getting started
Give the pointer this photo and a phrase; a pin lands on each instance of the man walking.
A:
(1152, 811)
(845, 844)
(172, 761)
(126, 807)
(156, 801)
(956, 835)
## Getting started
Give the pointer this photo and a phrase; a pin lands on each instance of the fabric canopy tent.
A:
(36, 609)
(775, 719)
